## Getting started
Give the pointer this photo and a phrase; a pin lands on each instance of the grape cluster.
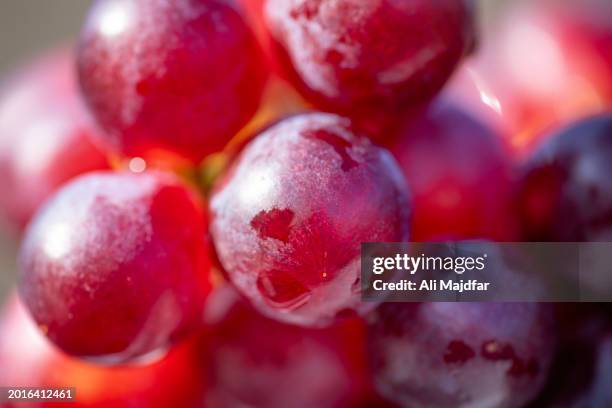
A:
(194, 180)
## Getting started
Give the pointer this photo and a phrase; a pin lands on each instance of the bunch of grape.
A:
(195, 179)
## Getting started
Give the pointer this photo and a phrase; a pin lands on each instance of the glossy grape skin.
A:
(116, 265)
(45, 135)
(461, 354)
(289, 217)
(459, 173)
(181, 76)
(565, 192)
(255, 361)
(27, 359)
(369, 60)
(477, 95)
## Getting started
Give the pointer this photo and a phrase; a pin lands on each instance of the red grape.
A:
(565, 191)
(44, 135)
(369, 59)
(459, 174)
(181, 76)
(461, 354)
(27, 359)
(258, 362)
(289, 218)
(116, 265)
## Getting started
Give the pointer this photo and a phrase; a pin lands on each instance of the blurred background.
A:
(28, 27)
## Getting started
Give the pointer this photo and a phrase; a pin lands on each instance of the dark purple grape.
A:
(566, 193)
(461, 354)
